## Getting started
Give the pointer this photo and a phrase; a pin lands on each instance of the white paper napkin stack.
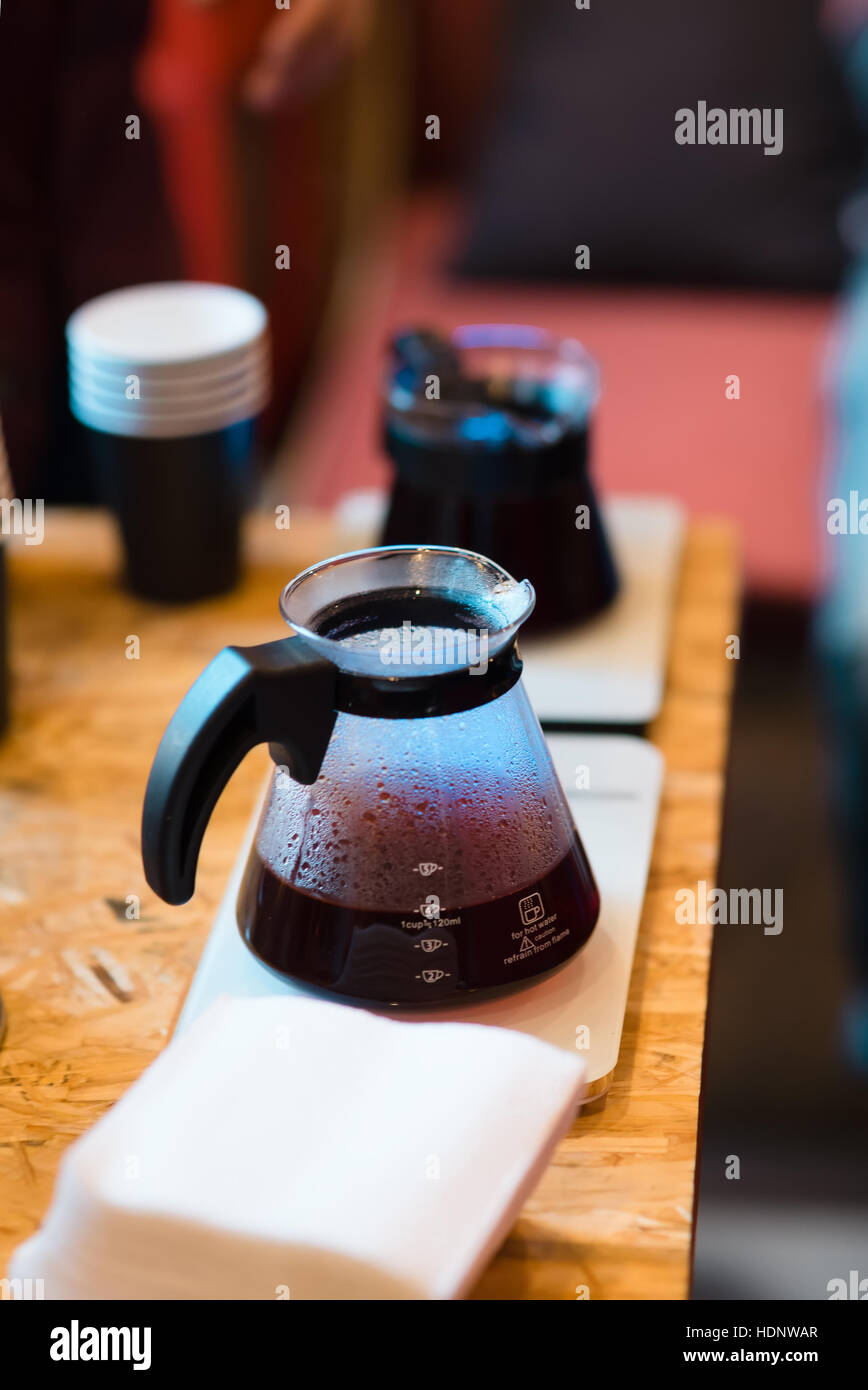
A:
(292, 1148)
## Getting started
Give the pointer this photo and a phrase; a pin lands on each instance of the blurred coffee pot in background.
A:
(488, 431)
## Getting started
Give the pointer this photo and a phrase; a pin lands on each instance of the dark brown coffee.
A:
(432, 856)
(430, 953)
(528, 504)
(542, 534)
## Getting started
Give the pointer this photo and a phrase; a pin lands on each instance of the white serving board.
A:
(582, 1004)
(611, 670)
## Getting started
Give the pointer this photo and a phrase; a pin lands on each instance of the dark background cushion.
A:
(581, 148)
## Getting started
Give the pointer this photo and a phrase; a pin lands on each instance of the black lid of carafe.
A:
(469, 437)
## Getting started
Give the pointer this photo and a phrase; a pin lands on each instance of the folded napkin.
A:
(292, 1148)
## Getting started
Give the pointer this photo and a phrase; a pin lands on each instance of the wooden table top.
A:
(92, 995)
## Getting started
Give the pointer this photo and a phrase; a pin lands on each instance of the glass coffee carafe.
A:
(488, 431)
(415, 844)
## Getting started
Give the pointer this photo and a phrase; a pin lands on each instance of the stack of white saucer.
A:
(168, 360)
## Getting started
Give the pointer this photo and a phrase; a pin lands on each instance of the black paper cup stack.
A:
(169, 380)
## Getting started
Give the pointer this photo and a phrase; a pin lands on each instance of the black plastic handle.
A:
(282, 694)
